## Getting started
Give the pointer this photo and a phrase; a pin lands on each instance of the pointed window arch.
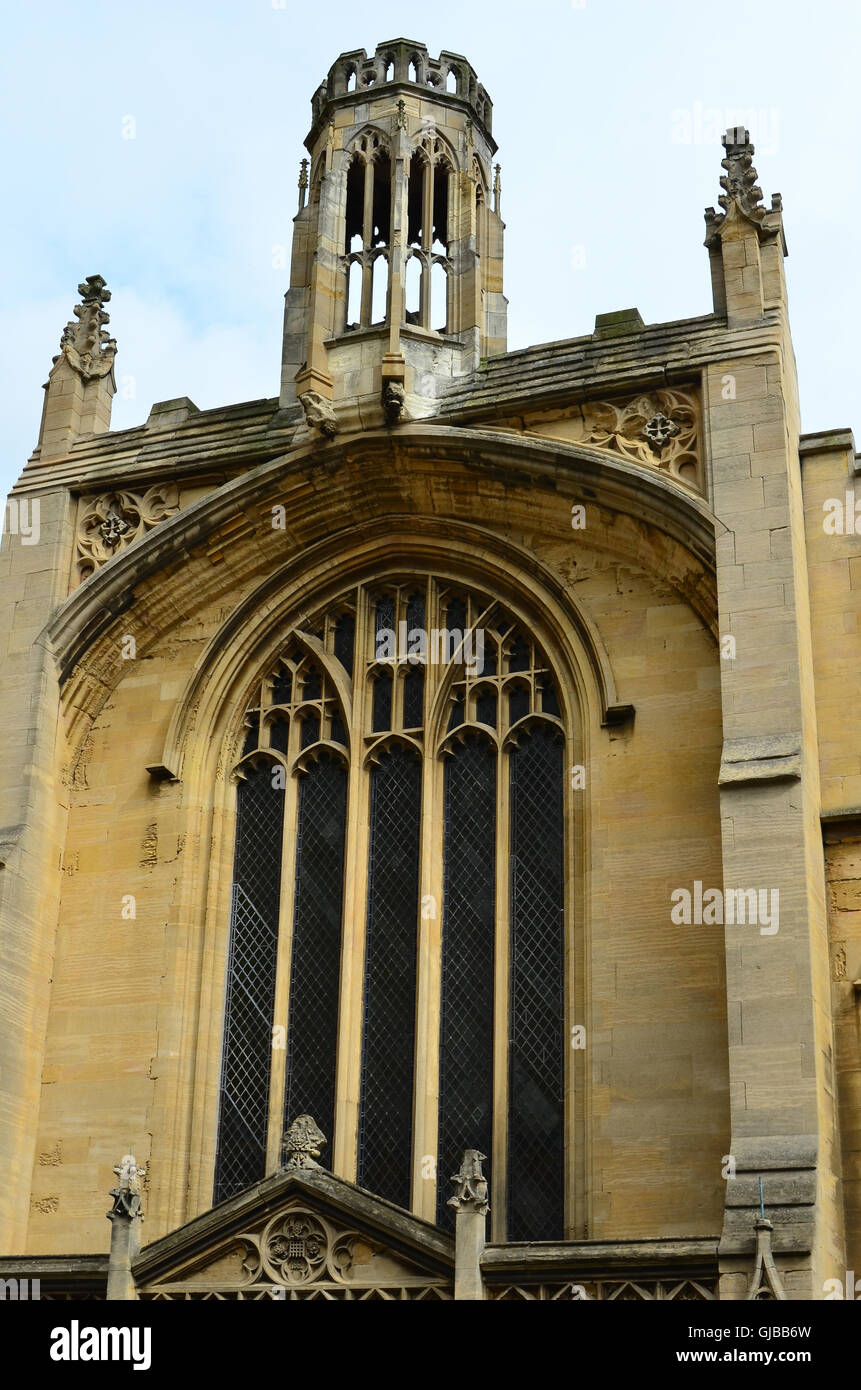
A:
(399, 904)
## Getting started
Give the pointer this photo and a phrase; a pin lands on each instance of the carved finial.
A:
(86, 345)
(470, 1185)
(303, 183)
(401, 117)
(765, 1284)
(127, 1193)
(302, 1144)
(497, 188)
(739, 183)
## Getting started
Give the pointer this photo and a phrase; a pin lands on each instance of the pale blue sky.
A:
(592, 106)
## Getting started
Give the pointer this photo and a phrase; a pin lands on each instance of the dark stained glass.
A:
(537, 1042)
(466, 1040)
(414, 697)
(382, 704)
(310, 729)
(518, 703)
(345, 641)
(388, 1054)
(247, 1050)
(485, 707)
(316, 959)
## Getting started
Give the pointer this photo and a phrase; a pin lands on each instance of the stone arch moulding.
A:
(441, 148)
(206, 729)
(80, 631)
(252, 635)
(353, 144)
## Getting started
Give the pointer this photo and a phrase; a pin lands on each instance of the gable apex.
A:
(299, 1234)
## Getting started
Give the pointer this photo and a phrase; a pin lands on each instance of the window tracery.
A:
(435, 711)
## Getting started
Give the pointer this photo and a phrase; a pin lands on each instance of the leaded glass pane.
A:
(466, 1037)
(518, 703)
(518, 659)
(310, 729)
(282, 688)
(485, 707)
(279, 734)
(316, 959)
(415, 613)
(414, 695)
(385, 1120)
(382, 711)
(246, 1057)
(536, 1051)
(345, 639)
(312, 687)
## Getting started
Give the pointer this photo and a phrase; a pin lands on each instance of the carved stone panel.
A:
(300, 1254)
(660, 429)
(113, 521)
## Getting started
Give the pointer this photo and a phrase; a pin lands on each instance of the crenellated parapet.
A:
(403, 61)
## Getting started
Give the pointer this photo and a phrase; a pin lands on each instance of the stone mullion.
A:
(399, 668)
(574, 1006)
(278, 1073)
(367, 246)
(396, 301)
(501, 986)
(350, 1011)
(429, 989)
(452, 306)
(427, 243)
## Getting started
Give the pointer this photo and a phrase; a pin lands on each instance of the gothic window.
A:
(431, 181)
(367, 234)
(395, 966)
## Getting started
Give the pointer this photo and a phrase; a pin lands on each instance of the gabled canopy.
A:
(299, 1235)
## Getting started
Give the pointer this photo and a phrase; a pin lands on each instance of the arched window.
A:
(367, 234)
(430, 212)
(399, 874)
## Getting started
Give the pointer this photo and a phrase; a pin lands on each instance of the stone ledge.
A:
(787, 1166)
(821, 440)
(765, 758)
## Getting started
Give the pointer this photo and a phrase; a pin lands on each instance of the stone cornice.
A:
(583, 368)
(210, 442)
(617, 484)
(234, 438)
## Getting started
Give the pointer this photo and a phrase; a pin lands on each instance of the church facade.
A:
(430, 803)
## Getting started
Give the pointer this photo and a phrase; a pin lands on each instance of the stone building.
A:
(456, 755)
